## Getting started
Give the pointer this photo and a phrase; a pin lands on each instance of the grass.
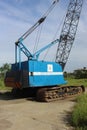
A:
(2, 85)
(72, 81)
(79, 114)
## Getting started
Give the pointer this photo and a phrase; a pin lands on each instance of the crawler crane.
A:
(44, 77)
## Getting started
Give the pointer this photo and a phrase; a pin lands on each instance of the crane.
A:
(19, 42)
(45, 77)
(68, 32)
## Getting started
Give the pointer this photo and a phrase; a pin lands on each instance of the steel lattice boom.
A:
(68, 31)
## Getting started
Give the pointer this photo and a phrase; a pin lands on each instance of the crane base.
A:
(56, 93)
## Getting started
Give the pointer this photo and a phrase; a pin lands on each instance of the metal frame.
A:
(19, 47)
(68, 31)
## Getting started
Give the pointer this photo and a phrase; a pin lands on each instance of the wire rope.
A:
(58, 28)
(54, 37)
(37, 38)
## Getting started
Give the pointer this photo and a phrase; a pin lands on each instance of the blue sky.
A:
(17, 16)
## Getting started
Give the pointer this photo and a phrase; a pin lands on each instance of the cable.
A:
(58, 28)
(37, 38)
(41, 20)
(40, 29)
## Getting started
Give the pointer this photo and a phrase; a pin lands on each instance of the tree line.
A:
(77, 74)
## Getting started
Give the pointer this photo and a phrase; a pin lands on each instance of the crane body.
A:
(35, 73)
(46, 77)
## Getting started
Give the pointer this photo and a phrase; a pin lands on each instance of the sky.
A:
(17, 16)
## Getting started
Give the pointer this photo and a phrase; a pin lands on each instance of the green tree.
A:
(4, 68)
(80, 73)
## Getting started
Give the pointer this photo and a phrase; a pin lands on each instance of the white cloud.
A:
(15, 13)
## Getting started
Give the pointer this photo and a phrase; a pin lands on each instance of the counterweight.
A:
(68, 31)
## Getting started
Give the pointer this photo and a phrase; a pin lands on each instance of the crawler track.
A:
(55, 93)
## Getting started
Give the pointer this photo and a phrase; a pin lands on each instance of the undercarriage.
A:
(56, 93)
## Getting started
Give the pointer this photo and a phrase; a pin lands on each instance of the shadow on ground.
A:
(9, 95)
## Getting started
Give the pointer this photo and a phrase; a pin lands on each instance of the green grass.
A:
(72, 81)
(2, 85)
(79, 114)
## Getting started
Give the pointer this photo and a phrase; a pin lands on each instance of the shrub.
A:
(79, 114)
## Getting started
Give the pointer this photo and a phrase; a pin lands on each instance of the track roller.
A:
(56, 93)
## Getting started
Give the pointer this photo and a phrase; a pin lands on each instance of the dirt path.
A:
(26, 114)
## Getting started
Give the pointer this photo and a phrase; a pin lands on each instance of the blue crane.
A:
(45, 78)
(22, 47)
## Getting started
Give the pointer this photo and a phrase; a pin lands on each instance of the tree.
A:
(80, 73)
(4, 68)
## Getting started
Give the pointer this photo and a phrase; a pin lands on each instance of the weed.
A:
(79, 114)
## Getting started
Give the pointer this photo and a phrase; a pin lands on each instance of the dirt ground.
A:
(27, 114)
